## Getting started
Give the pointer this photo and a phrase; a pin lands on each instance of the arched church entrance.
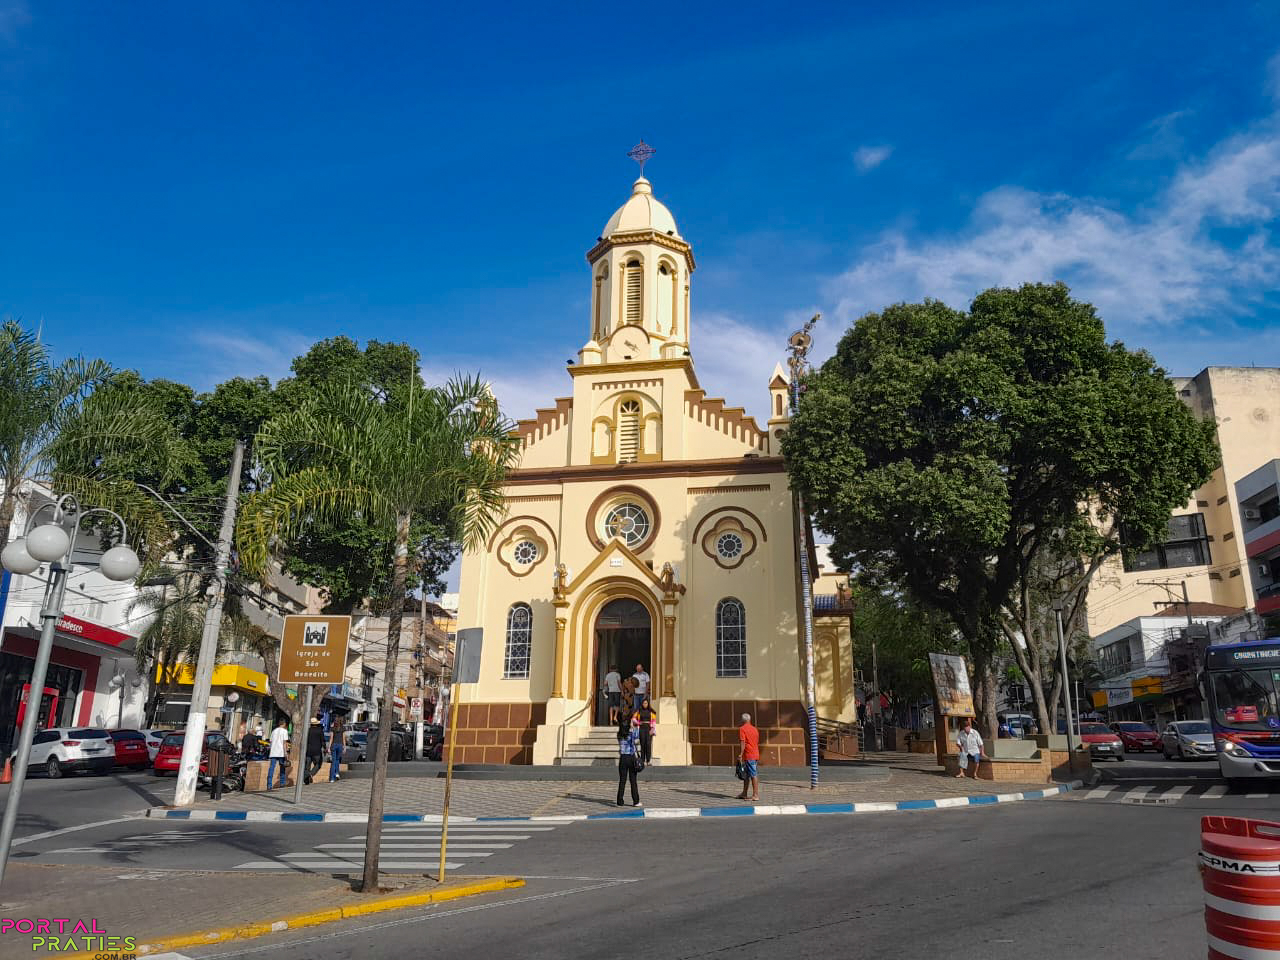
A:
(624, 637)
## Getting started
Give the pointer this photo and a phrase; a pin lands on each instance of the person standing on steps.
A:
(749, 741)
(279, 754)
(642, 686)
(645, 720)
(613, 692)
(336, 736)
(628, 756)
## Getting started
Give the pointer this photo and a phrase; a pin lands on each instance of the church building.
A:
(647, 523)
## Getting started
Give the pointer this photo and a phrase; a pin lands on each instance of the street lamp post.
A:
(51, 543)
(1066, 684)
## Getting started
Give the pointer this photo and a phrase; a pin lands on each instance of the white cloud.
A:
(225, 352)
(1199, 250)
(868, 158)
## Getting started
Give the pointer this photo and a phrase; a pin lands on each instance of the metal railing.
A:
(568, 720)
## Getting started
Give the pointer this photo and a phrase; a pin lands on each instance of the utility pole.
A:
(197, 719)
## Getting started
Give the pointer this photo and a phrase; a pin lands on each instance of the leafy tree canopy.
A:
(950, 452)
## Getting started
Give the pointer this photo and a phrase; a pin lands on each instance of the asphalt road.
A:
(1056, 878)
(1063, 878)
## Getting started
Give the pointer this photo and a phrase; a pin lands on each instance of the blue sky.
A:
(200, 191)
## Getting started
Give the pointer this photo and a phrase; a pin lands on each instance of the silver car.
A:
(1188, 740)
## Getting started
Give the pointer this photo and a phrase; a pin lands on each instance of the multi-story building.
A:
(1216, 561)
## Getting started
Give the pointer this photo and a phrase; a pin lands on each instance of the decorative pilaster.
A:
(557, 684)
(668, 656)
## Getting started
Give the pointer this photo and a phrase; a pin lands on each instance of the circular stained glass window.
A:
(629, 522)
(729, 545)
(526, 552)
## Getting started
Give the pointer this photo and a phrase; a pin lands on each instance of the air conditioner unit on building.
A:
(1251, 514)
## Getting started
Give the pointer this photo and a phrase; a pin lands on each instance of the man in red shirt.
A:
(749, 738)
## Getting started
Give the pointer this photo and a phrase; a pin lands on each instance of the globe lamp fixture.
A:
(16, 559)
(48, 542)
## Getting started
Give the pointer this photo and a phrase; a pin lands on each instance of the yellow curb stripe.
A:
(317, 917)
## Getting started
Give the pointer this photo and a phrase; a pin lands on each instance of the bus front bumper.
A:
(1241, 767)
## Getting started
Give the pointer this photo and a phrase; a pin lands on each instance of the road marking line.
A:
(1214, 792)
(358, 856)
(307, 866)
(1136, 794)
(84, 826)
(1097, 793)
(365, 929)
(1176, 793)
(415, 846)
(436, 836)
(1256, 796)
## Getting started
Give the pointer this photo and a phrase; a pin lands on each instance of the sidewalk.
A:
(899, 778)
(154, 905)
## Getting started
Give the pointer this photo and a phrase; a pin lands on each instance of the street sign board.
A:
(467, 656)
(415, 708)
(313, 649)
(951, 681)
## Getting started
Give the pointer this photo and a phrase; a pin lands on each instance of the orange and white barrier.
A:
(1240, 871)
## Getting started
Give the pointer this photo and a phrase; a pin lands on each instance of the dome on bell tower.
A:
(641, 212)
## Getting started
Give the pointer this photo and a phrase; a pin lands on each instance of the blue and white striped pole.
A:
(800, 342)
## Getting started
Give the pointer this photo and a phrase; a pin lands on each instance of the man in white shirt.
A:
(969, 741)
(279, 753)
(613, 692)
(642, 686)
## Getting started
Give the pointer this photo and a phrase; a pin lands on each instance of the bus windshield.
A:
(1245, 698)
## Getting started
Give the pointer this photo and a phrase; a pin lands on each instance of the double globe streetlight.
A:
(53, 543)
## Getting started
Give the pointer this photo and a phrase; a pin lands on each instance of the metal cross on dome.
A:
(640, 153)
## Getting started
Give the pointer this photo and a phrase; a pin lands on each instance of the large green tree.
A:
(349, 557)
(988, 461)
(345, 451)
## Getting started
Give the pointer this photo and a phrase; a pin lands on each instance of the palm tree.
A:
(436, 452)
(51, 434)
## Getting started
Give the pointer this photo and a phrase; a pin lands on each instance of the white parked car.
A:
(62, 749)
(153, 741)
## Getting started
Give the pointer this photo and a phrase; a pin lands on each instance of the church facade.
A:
(647, 523)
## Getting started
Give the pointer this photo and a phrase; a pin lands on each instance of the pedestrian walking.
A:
(315, 749)
(645, 720)
(969, 742)
(337, 736)
(628, 758)
(641, 680)
(749, 741)
(613, 692)
(279, 754)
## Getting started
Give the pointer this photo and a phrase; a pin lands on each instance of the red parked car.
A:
(169, 757)
(1101, 741)
(1136, 736)
(131, 749)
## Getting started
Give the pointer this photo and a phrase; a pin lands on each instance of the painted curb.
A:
(315, 918)
(671, 813)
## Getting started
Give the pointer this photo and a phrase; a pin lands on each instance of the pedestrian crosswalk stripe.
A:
(1149, 794)
(405, 846)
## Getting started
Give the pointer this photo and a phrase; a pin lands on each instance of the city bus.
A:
(1242, 688)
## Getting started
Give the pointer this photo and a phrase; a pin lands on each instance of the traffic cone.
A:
(7, 776)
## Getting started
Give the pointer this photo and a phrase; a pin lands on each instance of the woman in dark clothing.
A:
(645, 720)
(628, 753)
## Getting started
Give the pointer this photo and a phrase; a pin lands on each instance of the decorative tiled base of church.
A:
(498, 732)
(713, 731)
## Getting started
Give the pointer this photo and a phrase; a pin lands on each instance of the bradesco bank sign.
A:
(314, 649)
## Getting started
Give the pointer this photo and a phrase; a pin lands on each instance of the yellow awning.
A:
(225, 675)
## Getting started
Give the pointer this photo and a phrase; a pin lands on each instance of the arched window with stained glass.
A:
(731, 638)
(515, 663)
